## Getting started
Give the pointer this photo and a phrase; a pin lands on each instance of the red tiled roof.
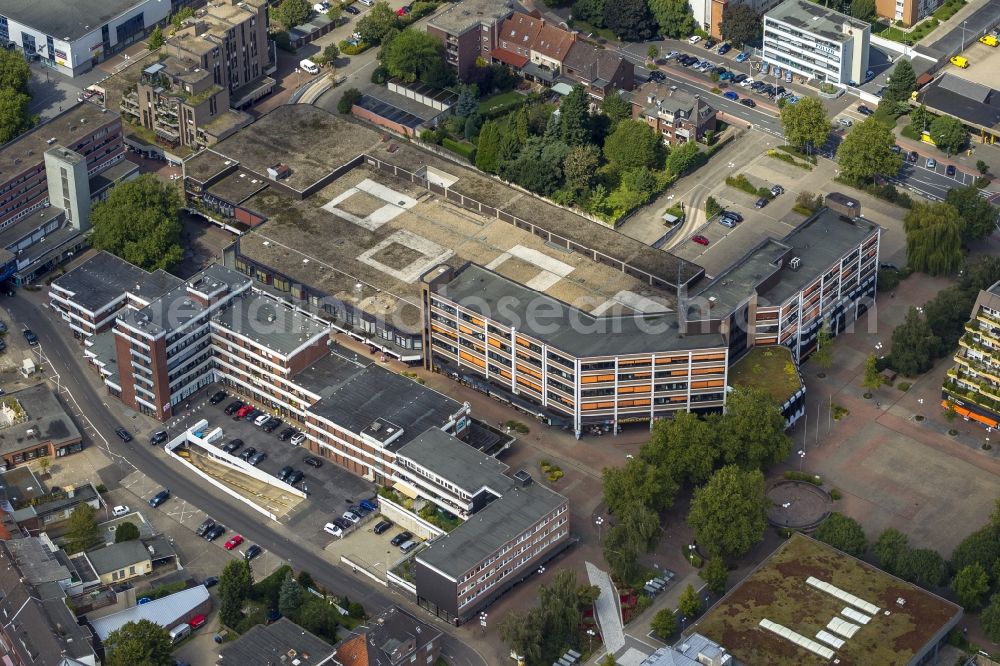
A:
(553, 42)
(353, 652)
(508, 57)
(520, 30)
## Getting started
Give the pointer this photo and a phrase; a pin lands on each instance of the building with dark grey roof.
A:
(817, 43)
(976, 105)
(120, 561)
(392, 638)
(34, 424)
(73, 35)
(280, 642)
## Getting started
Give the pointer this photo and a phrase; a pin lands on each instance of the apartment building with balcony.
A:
(512, 527)
(972, 387)
(469, 30)
(908, 12)
(816, 43)
(675, 115)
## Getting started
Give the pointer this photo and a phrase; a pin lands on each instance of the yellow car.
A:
(989, 40)
(959, 61)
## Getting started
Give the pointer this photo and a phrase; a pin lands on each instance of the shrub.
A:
(835, 494)
(380, 75)
(712, 207)
(741, 182)
(903, 386)
(764, 193)
(353, 49)
(794, 475)
(466, 150)
(350, 97)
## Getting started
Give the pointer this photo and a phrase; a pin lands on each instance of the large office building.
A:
(469, 30)
(817, 43)
(72, 36)
(972, 387)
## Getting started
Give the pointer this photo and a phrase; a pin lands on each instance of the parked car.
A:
(777, 190)
(727, 222)
(732, 214)
(159, 498)
(248, 453)
(252, 552)
(271, 424)
(370, 504)
(351, 9)
(243, 410)
(959, 61)
(286, 434)
(400, 538)
(763, 201)
(295, 477)
(30, 336)
(351, 516)
(233, 542)
(743, 56)
(357, 510)
(382, 526)
(931, 163)
(342, 524)
(693, 39)
(657, 76)
(205, 526)
(257, 458)
(869, 75)
(298, 438)
(211, 581)
(949, 170)
(407, 546)
(123, 434)
(913, 156)
(726, 76)
(232, 445)
(330, 528)
(158, 437)
(285, 472)
(725, 48)
(218, 397)
(700, 240)
(312, 461)
(233, 407)
(846, 122)
(730, 95)
(215, 532)
(261, 419)
(120, 510)
(740, 78)
(989, 40)
(197, 621)
(865, 111)
(710, 43)
(672, 55)
(746, 101)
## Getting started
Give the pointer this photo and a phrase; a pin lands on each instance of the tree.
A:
(712, 207)
(291, 13)
(805, 123)
(574, 118)
(689, 604)
(664, 623)
(914, 345)
(591, 11)
(140, 222)
(844, 533)
(684, 444)
(977, 217)
(684, 158)
(971, 585)
(329, 55)
(522, 632)
(183, 14)
(156, 39)
(752, 433)
(579, 168)
(741, 25)
(141, 643)
(652, 52)
(864, 10)
(14, 72)
(866, 152)
(616, 108)
(14, 118)
(235, 583)
(729, 513)
(375, 25)
(823, 355)
(126, 532)
(933, 238)
(673, 16)
(981, 547)
(871, 379)
(982, 167)
(472, 126)
(890, 548)
(334, 13)
(544, 632)
(350, 97)
(923, 566)
(903, 82)
(468, 100)
(635, 532)
(413, 54)
(715, 574)
(990, 619)
(948, 133)
(82, 531)
(633, 144)
(319, 616)
(290, 596)
(305, 579)
(630, 20)
(487, 150)
(638, 482)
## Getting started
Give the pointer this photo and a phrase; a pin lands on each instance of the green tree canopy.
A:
(664, 623)
(319, 616)
(715, 574)
(291, 13)
(823, 355)
(933, 238)
(591, 11)
(871, 379)
(350, 97)
(689, 604)
(377, 22)
(82, 531)
(971, 585)
(638, 482)
(741, 24)
(574, 118)
(904, 82)
(126, 532)
(866, 152)
(615, 108)
(948, 133)
(139, 222)
(633, 144)
(580, 167)
(235, 583)
(156, 39)
(684, 158)
(977, 216)
(843, 532)
(890, 548)
(686, 445)
(990, 619)
(14, 71)
(468, 100)
(914, 345)
(729, 513)
(142, 643)
(924, 567)
(413, 54)
(673, 16)
(752, 432)
(544, 632)
(290, 596)
(635, 532)
(805, 123)
(863, 9)
(14, 118)
(329, 55)
(630, 20)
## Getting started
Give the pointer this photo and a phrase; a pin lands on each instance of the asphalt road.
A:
(65, 357)
(977, 24)
(932, 184)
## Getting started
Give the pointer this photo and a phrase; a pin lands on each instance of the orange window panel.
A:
(504, 373)
(633, 389)
(767, 341)
(598, 405)
(465, 329)
(678, 373)
(443, 331)
(634, 361)
(706, 383)
(708, 357)
(522, 380)
(707, 371)
(665, 361)
(494, 343)
(477, 321)
(472, 359)
(633, 403)
(677, 398)
(529, 371)
(597, 378)
(524, 343)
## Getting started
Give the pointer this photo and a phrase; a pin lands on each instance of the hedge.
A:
(466, 150)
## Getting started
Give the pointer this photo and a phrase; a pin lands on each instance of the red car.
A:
(700, 240)
(197, 621)
(233, 542)
(244, 410)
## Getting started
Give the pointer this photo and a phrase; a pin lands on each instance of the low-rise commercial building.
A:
(392, 638)
(168, 611)
(120, 561)
(972, 387)
(276, 643)
(55, 508)
(817, 43)
(675, 115)
(34, 424)
(977, 106)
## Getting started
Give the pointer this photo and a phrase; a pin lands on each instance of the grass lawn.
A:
(586, 29)
(500, 103)
(768, 368)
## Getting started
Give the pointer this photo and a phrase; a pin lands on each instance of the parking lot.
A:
(362, 547)
(984, 61)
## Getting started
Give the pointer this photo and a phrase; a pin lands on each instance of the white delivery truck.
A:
(309, 66)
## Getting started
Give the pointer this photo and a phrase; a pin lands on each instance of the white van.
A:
(367, 3)
(308, 66)
(179, 632)
(408, 546)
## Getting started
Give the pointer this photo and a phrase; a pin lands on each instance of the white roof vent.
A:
(795, 263)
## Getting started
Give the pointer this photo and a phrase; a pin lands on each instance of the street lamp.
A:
(541, 570)
(590, 635)
(599, 521)
(482, 620)
(802, 454)
(691, 548)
